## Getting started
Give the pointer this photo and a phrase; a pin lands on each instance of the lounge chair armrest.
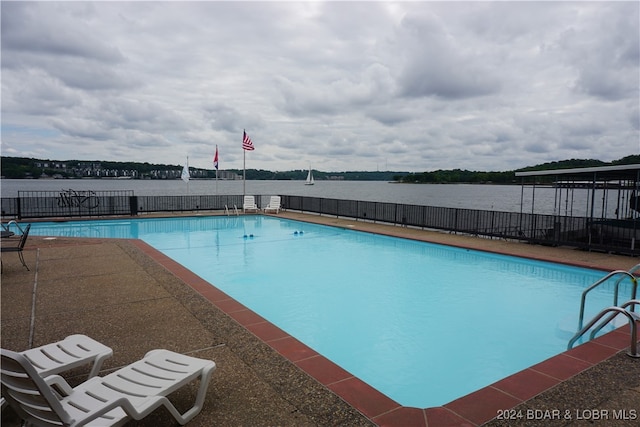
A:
(141, 410)
(126, 406)
(59, 384)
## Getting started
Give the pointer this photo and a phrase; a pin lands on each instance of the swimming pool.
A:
(422, 323)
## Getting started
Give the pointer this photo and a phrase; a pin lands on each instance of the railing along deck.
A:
(606, 235)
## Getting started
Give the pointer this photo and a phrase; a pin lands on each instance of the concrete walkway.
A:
(112, 291)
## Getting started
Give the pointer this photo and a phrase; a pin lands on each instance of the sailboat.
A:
(310, 180)
(185, 172)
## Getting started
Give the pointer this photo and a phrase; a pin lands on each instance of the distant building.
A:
(228, 175)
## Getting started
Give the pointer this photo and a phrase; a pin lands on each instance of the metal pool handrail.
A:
(235, 210)
(615, 295)
(632, 271)
(631, 303)
(633, 349)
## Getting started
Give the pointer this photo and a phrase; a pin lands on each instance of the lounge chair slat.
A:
(74, 351)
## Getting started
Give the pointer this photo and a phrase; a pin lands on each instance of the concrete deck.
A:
(128, 296)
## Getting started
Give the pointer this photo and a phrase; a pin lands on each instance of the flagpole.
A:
(244, 167)
(189, 176)
(216, 165)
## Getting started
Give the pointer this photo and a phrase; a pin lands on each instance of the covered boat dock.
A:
(594, 208)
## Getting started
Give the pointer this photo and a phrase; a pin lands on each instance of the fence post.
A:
(455, 221)
(133, 205)
(395, 213)
(19, 208)
(493, 228)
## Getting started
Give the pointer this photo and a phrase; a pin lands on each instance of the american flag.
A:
(246, 142)
(215, 159)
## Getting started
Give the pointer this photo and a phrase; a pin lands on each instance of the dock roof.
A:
(607, 173)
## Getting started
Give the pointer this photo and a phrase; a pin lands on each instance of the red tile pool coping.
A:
(474, 409)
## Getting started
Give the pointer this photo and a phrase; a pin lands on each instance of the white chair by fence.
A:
(249, 204)
(274, 205)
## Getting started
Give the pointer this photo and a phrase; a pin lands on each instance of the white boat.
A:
(310, 180)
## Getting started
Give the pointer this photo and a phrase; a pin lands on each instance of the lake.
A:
(506, 198)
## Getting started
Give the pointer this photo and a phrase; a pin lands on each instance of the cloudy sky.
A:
(403, 86)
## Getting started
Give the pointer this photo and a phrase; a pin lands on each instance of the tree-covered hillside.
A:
(507, 177)
(22, 167)
(28, 168)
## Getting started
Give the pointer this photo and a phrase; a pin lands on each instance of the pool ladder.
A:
(235, 210)
(631, 274)
(614, 310)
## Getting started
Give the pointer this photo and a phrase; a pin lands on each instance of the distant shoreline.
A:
(233, 180)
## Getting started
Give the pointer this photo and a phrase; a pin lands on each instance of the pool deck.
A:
(133, 298)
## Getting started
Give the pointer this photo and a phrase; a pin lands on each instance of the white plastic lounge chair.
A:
(132, 392)
(249, 204)
(72, 352)
(274, 205)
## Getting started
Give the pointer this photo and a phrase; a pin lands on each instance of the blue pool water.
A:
(422, 323)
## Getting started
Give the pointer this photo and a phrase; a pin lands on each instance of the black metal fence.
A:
(610, 235)
(152, 204)
(617, 236)
(67, 203)
(88, 203)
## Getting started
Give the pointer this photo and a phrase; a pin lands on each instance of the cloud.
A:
(331, 94)
(35, 93)
(27, 31)
(341, 85)
(604, 52)
(436, 63)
